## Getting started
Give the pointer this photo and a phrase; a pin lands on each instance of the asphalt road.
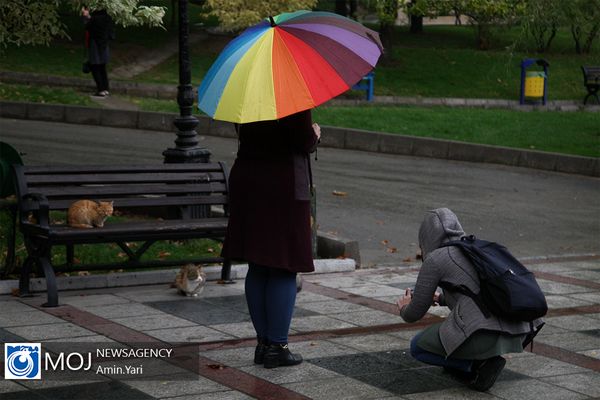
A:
(534, 213)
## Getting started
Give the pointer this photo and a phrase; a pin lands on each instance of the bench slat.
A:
(124, 178)
(68, 169)
(165, 229)
(124, 189)
(129, 202)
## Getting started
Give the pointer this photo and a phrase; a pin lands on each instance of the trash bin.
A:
(533, 83)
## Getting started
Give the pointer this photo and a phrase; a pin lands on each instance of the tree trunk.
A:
(416, 24)
(173, 13)
(587, 46)
(387, 34)
(341, 7)
(576, 32)
(483, 37)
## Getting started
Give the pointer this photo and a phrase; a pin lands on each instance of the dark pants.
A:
(100, 76)
(271, 295)
(435, 359)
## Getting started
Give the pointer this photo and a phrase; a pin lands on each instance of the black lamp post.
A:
(186, 148)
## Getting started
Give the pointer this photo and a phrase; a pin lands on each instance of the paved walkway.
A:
(345, 325)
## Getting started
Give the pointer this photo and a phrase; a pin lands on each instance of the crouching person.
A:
(467, 344)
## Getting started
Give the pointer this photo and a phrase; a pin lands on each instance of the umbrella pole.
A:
(186, 148)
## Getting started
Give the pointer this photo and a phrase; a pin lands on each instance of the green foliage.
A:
(236, 15)
(126, 12)
(387, 11)
(583, 16)
(541, 19)
(35, 22)
(25, 22)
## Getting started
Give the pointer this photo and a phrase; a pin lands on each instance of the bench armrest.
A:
(38, 204)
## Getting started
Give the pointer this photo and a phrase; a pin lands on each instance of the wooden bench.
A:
(367, 83)
(184, 192)
(591, 81)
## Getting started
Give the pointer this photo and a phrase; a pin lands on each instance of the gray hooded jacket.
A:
(448, 264)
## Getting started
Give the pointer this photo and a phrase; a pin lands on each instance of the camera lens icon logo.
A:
(22, 360)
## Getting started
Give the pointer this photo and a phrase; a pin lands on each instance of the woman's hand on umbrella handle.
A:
(317, 130)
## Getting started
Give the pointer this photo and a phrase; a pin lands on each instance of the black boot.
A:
(259, 352)
(486, 373)
(278, 355)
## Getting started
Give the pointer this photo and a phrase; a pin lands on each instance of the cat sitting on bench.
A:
(89, 214)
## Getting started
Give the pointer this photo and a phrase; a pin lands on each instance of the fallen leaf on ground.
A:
(407, 259)
(391, 249)
(215, 366)
(163, 254)
(83, 273)
(339, 193)
(384, 242)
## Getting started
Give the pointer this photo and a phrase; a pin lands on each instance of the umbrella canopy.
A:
(287, 64)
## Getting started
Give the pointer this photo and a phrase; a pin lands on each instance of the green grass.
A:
(441, 62)
(43, 94)
(563, 132)
(109, 253)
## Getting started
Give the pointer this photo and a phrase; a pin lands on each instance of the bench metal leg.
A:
(226, 272)
(51, 287)
(70, 254)
(24, 279)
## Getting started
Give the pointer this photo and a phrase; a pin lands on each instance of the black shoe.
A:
(259, 352)
(486, 373)
(460, 375)
(278, 355)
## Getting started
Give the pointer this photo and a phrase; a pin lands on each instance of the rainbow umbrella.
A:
(287, 64)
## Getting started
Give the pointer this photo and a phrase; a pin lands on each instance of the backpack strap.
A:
(467, 292)
(532, 334)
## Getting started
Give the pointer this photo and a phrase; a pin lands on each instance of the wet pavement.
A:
(345, 325)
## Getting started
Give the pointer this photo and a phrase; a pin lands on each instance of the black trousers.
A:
(100, 76)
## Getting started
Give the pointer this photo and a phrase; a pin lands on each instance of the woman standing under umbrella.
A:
(269, 224)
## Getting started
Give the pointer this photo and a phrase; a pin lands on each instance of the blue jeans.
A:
(436, 359)
(271, 295)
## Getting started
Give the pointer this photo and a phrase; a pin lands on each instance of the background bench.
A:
(367, 83)
(182, 192)
(591, 80)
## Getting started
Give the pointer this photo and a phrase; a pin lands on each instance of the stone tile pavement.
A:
(345, 325)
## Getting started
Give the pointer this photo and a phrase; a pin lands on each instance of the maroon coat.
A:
(269, 188)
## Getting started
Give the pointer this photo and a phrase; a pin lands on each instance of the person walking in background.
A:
(269, 224)
(99, 29)
(466, 344)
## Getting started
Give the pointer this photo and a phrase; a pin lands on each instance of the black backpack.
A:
(508, 289)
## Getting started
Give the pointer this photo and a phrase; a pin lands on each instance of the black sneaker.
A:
(486, 373)
(278, 355)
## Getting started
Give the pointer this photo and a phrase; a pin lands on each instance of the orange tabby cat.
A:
(88, 213)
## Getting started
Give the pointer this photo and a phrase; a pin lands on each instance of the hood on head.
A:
(439, 226)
